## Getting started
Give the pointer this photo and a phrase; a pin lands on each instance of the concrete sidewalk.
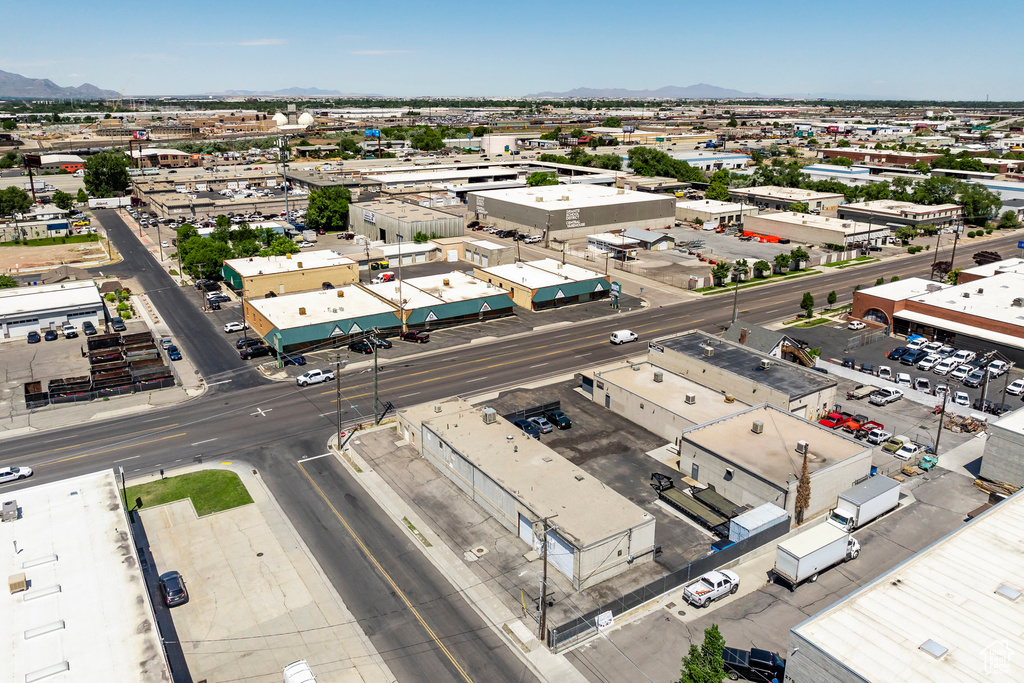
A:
(519, 636)
(251, 613)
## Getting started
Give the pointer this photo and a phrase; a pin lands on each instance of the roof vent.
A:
(801, 447)
(1018, 302)
(437, 407)
(447, 282)
(966, 295)
(302, 310)
(980, 290)
(300, 264)
(757, 427)
(934, 649)
(341, 293)
(659, 376)
(708, 351)
(690, 399)
(729, 398)
(765, 363)
(490, 416)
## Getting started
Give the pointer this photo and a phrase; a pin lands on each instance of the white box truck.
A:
(864, 502)
(109, 202)
(804, 556)
(40, 185)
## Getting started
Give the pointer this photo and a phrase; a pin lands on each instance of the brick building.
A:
(863, 155)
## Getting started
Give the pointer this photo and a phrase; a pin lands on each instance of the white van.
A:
(299, 672)
(80, 173)
(623, 337)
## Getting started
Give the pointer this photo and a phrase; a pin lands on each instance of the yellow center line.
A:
(116, 448)
(387, 577)
(86, 443)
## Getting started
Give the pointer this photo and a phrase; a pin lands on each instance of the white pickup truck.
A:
(885, 396)
(314, 377)
(710, 587)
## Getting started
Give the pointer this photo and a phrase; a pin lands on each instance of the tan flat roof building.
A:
(308, 270)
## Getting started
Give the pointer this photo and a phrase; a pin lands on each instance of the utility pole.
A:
(956, 237)
(376, 370)
(203, 289)
(942, 419)
(544, 579)
(735, 295)
(337, 391)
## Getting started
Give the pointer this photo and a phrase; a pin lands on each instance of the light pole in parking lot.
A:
(282, 143)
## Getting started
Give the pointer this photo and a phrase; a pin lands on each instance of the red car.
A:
(416, 336)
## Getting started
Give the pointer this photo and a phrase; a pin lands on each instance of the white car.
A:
(907, 451)
(856, 325)
(314, 377)
(885, 372)
(1015, 388)
(14, 473)
(902, 379)
(304, 244)
(235, 327)
(945, 366)
(932, 347)
(997, 368)
(922, 384)
(962, 371)
(964, 356)
(929, 361)
(624, 336)
(710, 587)
(917, 344)
(165, 244)
(961, 398)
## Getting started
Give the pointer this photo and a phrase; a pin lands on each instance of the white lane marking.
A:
(478, 379)
(213, 384)
(207, 441)
(408, 395)
(314, 457)
(131, 458)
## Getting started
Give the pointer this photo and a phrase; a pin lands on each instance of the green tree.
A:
(733, 123)
(63, 200)
(894, 278)
(552, 134)
(106, 174)
(798, 257)
(832, 298)
(10, 124)
(481, 131)
(221, 233)
(7, 281)
(576, 133)
(720, 271)
(980, 203)
(740, 270)
(905, 233)
(757, 157)
(705, 664)
(843, 143)
(14, 200)
(761, 267)
(921, 167)
(1008, 220)
(205, 257)
(279, 246)
(327, 208)
(420, 237)
(646, 161)
(538, 178)
(426, 139)
(800, 207)
(612, 122)
(717, 191)
(82, 197)
(781, 262)
(807, 303)
(880, 281)
(348, 145)
(9, 160)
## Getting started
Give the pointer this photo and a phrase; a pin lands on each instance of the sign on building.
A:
(368, 217)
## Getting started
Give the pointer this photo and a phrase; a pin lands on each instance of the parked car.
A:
(173, 353)
(878, 436)
(975, 378)
(922, 384)
(235, 326)
(895, 443)
(314, 377)
(380, 343)
(928, 362)
(897, 353)
(997, 368)
(247, 341)
(172, 587)
(256, 351)
(907, 451)
(945, 366)
(415, 336)
(962, 371)
(961, 398)
(50, 335)
(542, 424)
(559, 419)
(117, 324)
(902, 379)
(913, 357)
(932, 347)
(166, 343)
(361, 346)
(964, 356)
(1015, 388)
(885, 372)
(624, 337)
(69, 331)
(856, 325)
(528, 427)
(849, 363)
(305, 245)
(868, 368)
(33, 337)
(885, 396)
(9, 474)
(293, 360)
(917, 343)
(710, 587)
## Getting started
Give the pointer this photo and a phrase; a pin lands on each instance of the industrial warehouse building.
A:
(48, 307)
(156, 157)
(862, 155)
(392, 221)
(1002, 460)
(949, 613)
(709, 162)
(777, 198)
(713, 212)
(811, 229)
(79, 606)
(894, 213)
(567, 211)
(537, 285)
(519, 481)
(744, 373)
(476, 251)
(980, 315)
(61, 162)
(756, 456)
(258, 275)
(446, 298)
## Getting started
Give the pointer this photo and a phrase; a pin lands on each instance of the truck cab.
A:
(754, 664)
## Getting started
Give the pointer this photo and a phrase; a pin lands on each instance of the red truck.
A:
(860, 425)
(835, 420)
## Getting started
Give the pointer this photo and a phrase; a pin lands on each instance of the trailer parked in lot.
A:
(804, 556)
(864, 502)
(688, 505)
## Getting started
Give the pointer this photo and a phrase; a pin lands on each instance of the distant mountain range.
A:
(16, 85)
(700, 91)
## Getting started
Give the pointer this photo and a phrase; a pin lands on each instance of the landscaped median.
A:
(210, 491)
(756, 282)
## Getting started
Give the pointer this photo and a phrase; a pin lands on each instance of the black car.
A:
(849, 363)
(293, 360)
(254, 352)
(559, 419)
(528, 427)
(88, 328)
(117, 325)
(380, 343)
(753, 665)
(50, 335)
(172, 587)
(34, 338)
(913, 357)
(897, 353)
(868, 368)
(993, 407)
(361, 346)
(247, 341)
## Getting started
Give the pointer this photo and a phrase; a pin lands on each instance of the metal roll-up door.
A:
(421, 258)
(525, 530)
(560, 554)
(21, 329)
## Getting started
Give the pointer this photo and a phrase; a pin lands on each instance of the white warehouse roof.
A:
(29, 300)
(574, 196)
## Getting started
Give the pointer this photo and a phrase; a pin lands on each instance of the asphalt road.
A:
(422, 628)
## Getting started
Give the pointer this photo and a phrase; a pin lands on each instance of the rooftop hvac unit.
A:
(966, 295)
(729, 398)
(437, 407)
(933, 287)
(565, 197)
(980, 290)
(708, 351)
(636, 368)
(519, 264)
(302, 310)
(801, 447)
(540, 199)
(765, 363)
(447, 282)
(288, 256)
(690, 399)
(1018, 302)
(341, 293)
(659, 376)
(490, 416)
(300, 264)
(757, 427)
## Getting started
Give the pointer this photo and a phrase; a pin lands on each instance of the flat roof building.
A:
(781, 198)
(1003, 460)
(48, 307)
(390, 220)
(817, 230)
(756, 456)
(745, 373)
(444, 299)
(713, 212)
(949, 614)
(709, 162)
(480, 252)
(61, 162)
(864, 155)
(519, 481)
(568, 211)
(83, 610)
(258, 275)
(890, 211)
(546, 283)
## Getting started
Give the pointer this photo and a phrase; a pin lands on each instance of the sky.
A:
(894, 49)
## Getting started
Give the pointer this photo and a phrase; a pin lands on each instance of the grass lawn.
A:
(50, 241)
(757, 282)
(860, 260)
(210, 490)
(811, 323)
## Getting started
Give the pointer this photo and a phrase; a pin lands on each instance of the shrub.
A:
(110, 297)
(970, 233)
(988, 231)
(125, 315)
